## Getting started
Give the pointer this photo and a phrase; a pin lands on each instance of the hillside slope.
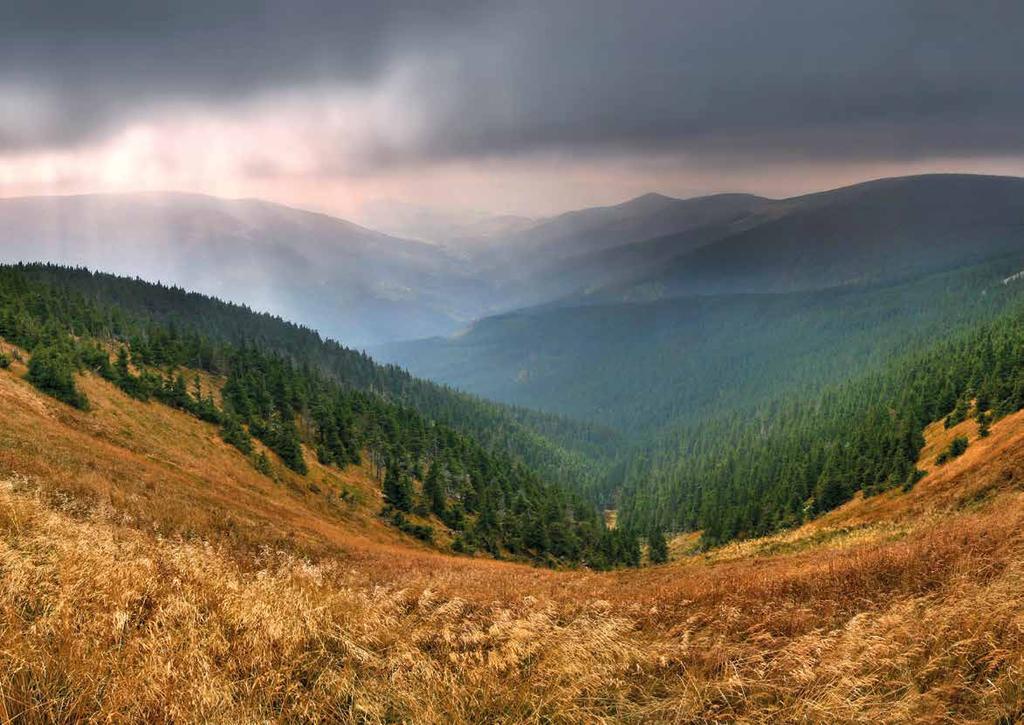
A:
(351, 283)
(148, 575)
(562, 450)
(172, 474)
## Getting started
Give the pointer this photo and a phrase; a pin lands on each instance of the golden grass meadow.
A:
(149, 574)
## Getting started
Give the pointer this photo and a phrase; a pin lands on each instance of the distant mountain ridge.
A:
(569, 253)
(874, 231)
(367, 288)
(669, 323)
(350, 282)
(644, 217)
(453, 229)
(355, 284)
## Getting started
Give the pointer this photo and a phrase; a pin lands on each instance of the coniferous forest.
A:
(507, 480)
(751, 473)
(333, 401)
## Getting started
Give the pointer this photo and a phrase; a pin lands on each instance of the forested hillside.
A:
(639, 367)
(793, 458)
(288, 389)
(756, 364)
(563, 449)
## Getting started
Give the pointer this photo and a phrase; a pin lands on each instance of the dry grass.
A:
(99, 619)
(125, 596)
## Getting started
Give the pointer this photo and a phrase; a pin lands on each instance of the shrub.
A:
(956, 448)
(419, 531)
(52, 371)
(234, 434)
(912, 478)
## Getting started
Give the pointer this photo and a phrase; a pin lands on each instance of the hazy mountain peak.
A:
(650, 201)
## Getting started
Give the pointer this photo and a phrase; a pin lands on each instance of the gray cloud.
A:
(818, 79)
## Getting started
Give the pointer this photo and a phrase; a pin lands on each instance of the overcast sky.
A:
(524, 107)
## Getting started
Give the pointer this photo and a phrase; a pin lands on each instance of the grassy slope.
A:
(172, 474)
(148, 572)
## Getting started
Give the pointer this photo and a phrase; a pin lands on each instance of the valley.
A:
(782, 503)
(151, 572)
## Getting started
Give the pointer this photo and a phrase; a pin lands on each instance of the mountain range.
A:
(639, 317)
(351, 283)
(655, 329)
(368, 288)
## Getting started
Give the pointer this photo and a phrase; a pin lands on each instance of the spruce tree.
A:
(51, 370)
(397, 489)
(657, 547)
(433, 490)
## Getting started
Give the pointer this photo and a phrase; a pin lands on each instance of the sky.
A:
(516, 107)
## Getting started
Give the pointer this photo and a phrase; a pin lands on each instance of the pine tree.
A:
(284, 441)
(51, 370)
(262, 464)
(234, 434)
(397, 489)
(121, 366)
(657, 547)
(433, 490)
(984, 419)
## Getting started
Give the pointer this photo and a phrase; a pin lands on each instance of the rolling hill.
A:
(645, 217)
(347, 281)
(576, 251)
(876, 231)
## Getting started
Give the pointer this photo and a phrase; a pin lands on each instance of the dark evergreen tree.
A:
(397, 488)
(657, 547)
(433, 491)
(52, 370)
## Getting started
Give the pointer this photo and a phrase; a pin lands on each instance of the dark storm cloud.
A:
(104, 60)
(818, 79)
